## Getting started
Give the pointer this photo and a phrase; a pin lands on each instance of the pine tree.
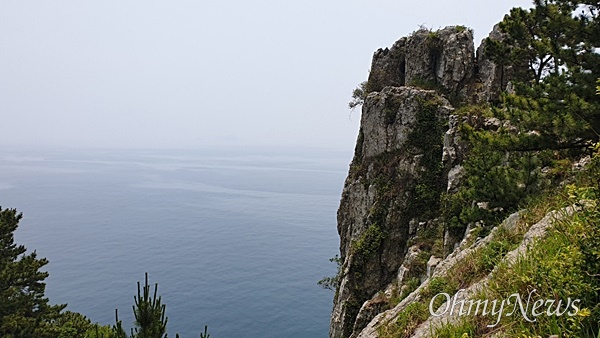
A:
(359, 94)
(551, 117)
(149, 312)
(150, 316)
(552, 51)
(24, 309)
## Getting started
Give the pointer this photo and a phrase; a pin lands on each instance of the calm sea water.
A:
(236, 240)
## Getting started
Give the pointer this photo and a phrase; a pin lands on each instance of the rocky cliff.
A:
(407, 154)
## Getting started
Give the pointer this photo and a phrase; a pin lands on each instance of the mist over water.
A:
(236, 239)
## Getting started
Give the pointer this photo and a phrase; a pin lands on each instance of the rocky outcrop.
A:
(442, 59)
(408, 152)
(388, 67)
(390, 116)
(400, 139)
(492, 77)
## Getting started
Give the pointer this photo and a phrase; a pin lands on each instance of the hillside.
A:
(475, 176)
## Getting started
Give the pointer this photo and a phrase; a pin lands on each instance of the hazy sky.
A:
(196, 73)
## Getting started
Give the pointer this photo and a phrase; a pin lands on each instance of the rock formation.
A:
(392, 181)
(407, 154)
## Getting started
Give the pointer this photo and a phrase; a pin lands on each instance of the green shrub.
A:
(369, 242)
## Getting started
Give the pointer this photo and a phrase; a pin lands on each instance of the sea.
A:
(236, 239)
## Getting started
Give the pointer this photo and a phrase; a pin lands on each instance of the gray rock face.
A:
(492, 78)
(443, 59)
(401, 127)
(388, 67)
(404, 272)
(454, 66)
(389, 117)
(432, 264)
(422, 51)
(368, 311)
(408, 148)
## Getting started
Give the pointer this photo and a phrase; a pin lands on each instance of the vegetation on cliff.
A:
(549, 117)
(559, 267)
(522, 147)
